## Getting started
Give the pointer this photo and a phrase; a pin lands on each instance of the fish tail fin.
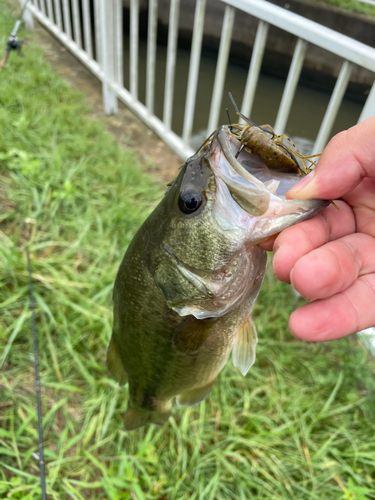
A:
(194, 396)
(114, 364)
(135, 417)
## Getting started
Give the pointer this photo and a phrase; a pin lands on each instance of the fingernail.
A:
(301, 186)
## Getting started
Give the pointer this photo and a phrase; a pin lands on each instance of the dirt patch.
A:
(126, 128)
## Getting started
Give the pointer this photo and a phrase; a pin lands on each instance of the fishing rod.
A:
(40, 454)
(13, 43)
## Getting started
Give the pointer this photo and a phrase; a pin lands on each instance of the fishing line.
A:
(238, 112)
(229, 120)
(40, 455)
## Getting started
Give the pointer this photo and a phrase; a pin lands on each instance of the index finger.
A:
(297, 241)
(347, 159)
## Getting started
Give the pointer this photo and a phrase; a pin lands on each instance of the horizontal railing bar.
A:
(171, 62)
(254, 69)
(290, 86)
(333, 107)
(221, 68)
(308, 30)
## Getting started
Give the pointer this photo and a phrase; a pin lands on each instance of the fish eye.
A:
(189, 201)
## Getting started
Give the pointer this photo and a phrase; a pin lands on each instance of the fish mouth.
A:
(255, 187)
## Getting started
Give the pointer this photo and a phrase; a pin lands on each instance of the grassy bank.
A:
(300, 425)
(352, 5)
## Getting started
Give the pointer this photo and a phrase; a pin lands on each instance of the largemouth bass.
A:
(187, 285)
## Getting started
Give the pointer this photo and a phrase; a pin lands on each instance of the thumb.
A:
(347, 159)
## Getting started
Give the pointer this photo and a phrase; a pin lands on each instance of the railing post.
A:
(290, 86)
(369, 107)
(333, 107)
(107, 13)
(66, 18)
(134, 47)
(254, 69)
(87, 27)
(151, 53)
(221, 68)
(195, 57)
(27, 17)
(171, 62)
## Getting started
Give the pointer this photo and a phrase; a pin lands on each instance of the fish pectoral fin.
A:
(244, 347)
(192, 334)
(194, 396)
(135, 417)
(114, 364)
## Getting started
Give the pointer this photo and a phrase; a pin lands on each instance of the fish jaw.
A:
(282, 214)
(257, 190)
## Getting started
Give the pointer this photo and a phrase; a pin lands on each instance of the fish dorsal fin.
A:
(244, 346)
(114, 364)
(192, 334)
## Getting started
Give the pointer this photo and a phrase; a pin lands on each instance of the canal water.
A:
(306, 115)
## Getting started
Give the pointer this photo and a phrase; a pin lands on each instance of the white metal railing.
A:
(97, 43)
(171, 63)
(350, 50)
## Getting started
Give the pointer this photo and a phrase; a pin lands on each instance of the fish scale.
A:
(188, 282)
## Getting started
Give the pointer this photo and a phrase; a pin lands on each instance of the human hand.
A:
(330, 259)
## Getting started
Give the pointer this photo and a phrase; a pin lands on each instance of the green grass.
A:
(351, 5)
(301, 425)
